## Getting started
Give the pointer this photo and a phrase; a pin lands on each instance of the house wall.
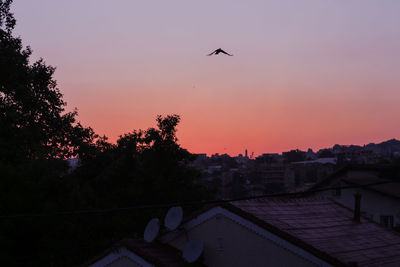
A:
(373, 204)
(228, 243)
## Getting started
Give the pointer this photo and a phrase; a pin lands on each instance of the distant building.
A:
(242, 161)
(272, 174)
(271, 157)
(214, 168)
(310, 155)
(317, 161)
(73, 163)
(267, 175)
(306, 173)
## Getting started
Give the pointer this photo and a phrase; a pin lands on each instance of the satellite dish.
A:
(151, 230)
(173, 218)
(193, 250)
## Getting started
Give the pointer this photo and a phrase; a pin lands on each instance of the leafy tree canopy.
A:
(33, 121)
(143, 167)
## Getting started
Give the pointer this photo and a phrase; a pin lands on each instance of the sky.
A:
(305, 73)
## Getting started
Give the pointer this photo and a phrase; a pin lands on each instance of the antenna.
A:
(151, 230)
(173, 218)
(193, 250)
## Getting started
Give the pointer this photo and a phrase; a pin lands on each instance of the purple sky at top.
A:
(304, 74)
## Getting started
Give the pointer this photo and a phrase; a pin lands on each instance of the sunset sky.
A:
(305, 73)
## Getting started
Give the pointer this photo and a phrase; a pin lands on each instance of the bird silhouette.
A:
(219, 50)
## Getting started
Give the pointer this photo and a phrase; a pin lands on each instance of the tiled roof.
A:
(392, 188)
(161, 255)
(375, 172)
(320, 161)
(378, 174)
(324, 228)
(156, 253)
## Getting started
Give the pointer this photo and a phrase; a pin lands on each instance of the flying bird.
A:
(219, 50)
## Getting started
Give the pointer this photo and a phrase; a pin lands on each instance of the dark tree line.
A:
(37, 135)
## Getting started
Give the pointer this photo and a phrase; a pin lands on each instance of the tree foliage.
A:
(33, 121)
(7, 20)
(143, 167)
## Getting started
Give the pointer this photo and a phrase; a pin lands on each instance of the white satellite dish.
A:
(173, 218)
(151, 230)
(193, 250)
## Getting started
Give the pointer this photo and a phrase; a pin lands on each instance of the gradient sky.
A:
(305, 73)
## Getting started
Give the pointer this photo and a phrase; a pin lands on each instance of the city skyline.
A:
(251, 154)
(303, 75)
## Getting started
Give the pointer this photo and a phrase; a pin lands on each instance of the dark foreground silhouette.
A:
(36, 135)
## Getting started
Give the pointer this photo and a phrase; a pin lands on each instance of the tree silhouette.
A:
(33, 122)
(36, 134)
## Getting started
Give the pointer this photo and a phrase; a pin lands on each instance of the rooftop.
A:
(389, 189)
(324, 228)
(376, 174)
(161, 255)
(318, 161)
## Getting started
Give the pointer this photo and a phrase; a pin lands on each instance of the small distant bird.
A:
(219, 50)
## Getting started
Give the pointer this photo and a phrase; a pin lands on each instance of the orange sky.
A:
(309, 74)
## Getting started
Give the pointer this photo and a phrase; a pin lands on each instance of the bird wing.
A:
(222, 51)
(212, 53)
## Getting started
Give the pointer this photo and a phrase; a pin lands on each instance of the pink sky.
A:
(304, 74)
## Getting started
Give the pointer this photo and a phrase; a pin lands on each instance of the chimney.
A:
(357, 211)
